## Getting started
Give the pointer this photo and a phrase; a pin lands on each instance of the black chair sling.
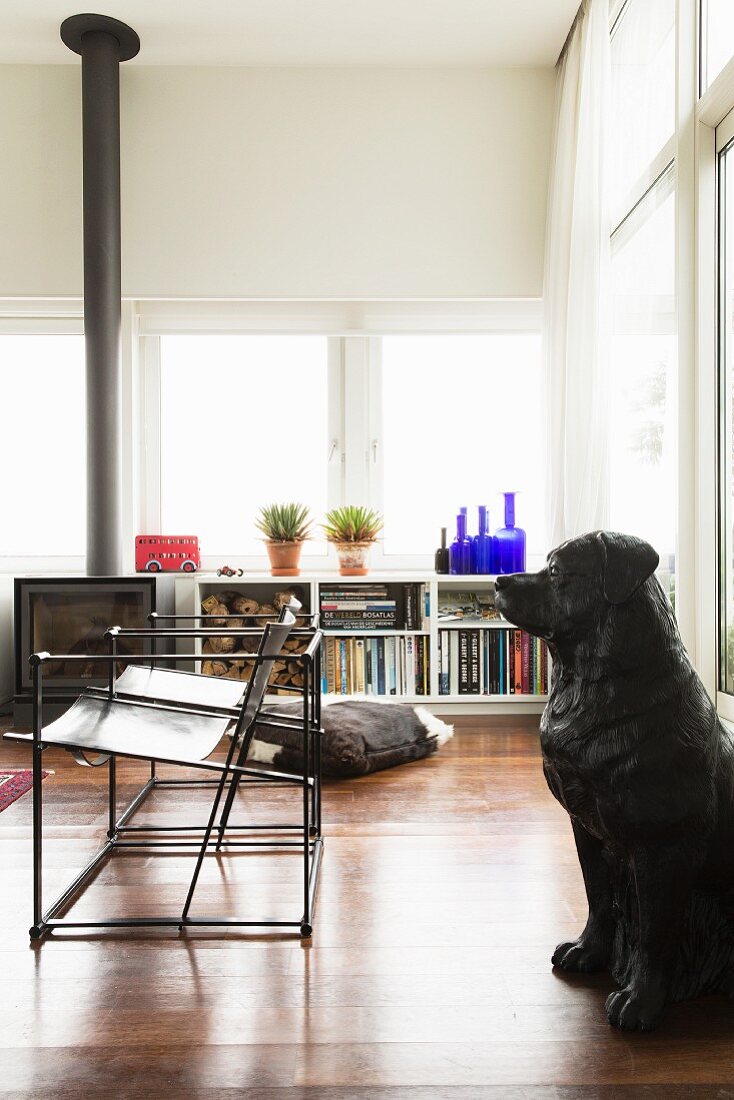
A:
(173, 717)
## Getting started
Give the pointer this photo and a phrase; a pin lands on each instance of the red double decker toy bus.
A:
(167, 554)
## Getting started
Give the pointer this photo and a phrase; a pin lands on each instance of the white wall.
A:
(287, 183)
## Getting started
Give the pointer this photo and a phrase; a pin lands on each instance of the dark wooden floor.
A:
(446, 884)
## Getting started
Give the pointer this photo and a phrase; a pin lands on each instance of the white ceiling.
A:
(306, 32)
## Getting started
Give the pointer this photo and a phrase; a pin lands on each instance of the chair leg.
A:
(112, 798)
(204, 846)
(37, 929)
(306, 920)
(228, 803)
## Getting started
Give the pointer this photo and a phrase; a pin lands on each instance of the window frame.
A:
(356, 470)
(711, 108)
(661, 161)
(724, 144)
(673, 159)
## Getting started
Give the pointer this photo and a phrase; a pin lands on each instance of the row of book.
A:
(396, 665)
(374, 606)
(494, 661)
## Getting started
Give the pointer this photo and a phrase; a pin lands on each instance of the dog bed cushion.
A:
(360, 736)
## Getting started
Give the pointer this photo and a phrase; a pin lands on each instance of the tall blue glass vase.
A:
(510, 541)
(460, 549)
(482, 544)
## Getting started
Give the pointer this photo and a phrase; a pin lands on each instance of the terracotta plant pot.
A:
(353, 558)
(285, 558)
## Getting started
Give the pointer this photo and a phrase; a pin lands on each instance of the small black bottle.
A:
(442, 554)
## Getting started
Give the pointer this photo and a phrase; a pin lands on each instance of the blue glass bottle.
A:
(473, 547)
(482, 544)
(460, 549)
(510, 541)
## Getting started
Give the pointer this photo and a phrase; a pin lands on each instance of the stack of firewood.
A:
(222, 652)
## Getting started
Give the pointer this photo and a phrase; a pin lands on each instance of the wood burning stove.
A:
(70, 615)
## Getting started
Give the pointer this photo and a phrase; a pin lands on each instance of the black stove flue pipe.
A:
(102, 43)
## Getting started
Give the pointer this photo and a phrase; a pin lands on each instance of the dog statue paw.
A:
(581, 955)
(634, 751)
(633, 1011)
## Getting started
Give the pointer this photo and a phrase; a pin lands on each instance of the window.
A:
(726, 433)
(462, 421)
(244, 422)
(643, 457)
(42, 446)
(717, 37)
(643, 91)
(643, 411)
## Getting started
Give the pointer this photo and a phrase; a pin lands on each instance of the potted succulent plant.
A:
(285, 528)
(352, 529)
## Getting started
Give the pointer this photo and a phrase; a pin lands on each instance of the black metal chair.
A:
(176, 717)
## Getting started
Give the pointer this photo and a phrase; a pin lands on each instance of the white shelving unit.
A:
(191, 589)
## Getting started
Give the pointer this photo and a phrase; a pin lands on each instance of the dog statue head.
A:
(584, 580)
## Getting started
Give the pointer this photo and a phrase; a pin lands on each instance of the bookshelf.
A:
(192, 589)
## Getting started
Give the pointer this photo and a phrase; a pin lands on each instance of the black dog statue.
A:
(634, 751)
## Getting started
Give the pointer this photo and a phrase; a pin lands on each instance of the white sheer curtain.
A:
(576, 293)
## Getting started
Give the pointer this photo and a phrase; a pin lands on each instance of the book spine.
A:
(409, 678)
(510, 658)
(463, 662)
(359, 595)
(473, 662)
(544, 669)
(407, 624)
(355, 610)
(390, 663)
(343, 664)
(368, 666)
(388, 618)
(381, 681)
(453, 662)
(374, 670)
(329, 662)
(359, 665)
(525, 662)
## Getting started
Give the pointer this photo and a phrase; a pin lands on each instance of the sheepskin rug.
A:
(361, 735)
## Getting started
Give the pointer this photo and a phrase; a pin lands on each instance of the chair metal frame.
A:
(123, 835)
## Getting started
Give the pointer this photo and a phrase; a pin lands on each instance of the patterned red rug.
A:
(14, 783)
